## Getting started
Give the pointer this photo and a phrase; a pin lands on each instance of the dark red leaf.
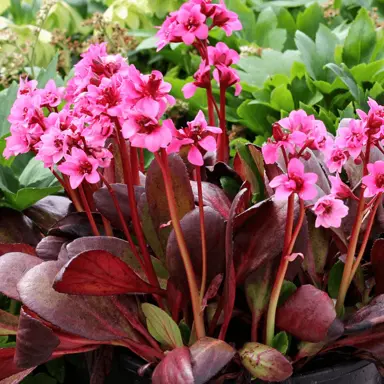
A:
(8, 323)
(209, 356)
(8, 368)
(91, 317)
(15, 227)
(46, 212)
(12, 268)
(309, 314)
(35, 342)
(99, 273)
(212, 289)
(49, 248)
(215, 242)
(23, 248)
(176, 368)
(101, 364)
(213, 197)
(377, 260)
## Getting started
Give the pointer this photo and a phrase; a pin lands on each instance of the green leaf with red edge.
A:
(99, 273)
(209, 356)
(309, 314)
(91, 317)
(23, 248)
(157, 198)
(175, 368)
(377, 260)
(162, 327)
(8, 323)
(265, 363)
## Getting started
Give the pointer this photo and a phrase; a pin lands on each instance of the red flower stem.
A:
(142, 160)
(255, 325)
(347, 273)
(211, 112)
(88, 211)
(71, 193)
(134, 165)
(275, 294)
(126, 162)
(122, 221)
(202, 231)
(144, 351)
(223, 145)
(107, 226)
(162, 159)
(363, 246)
(286, 160)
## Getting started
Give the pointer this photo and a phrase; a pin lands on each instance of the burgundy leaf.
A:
(157, 198)
(230, 275)
(105, 205)
(76, 225)
(213, 197)
(91, 317)
(265, 363)
(212, 289)
(49, 248)
(367, 317)
(377, 260)
(309, 314)
(9, 372)
(15, 227)
(8, 323)
(35, 342)
(215, 242)
(23, 248)
(176, 368)
(47, 211)
(99, 273)
(101, 365)
(12, 268)
(209, 356)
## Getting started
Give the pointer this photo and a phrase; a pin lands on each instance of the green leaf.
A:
(334, 279)
(47, 74)
(310, 19)
(247, 17)
(5, 162)
(230, 186)
(281, 342)
(185, 332)
(56, 369)
(287, 290)
(308, 52)
(281, 98)
(35, 175)
(149, 43)
(7, 98)
(162, 327)
(361, 40)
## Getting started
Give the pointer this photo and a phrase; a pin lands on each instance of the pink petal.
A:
(295, 166)
(189, 90)
(282, 193)
(92, 178)
(195, 157)
(75, 180)
(188, 38)
(208, 143)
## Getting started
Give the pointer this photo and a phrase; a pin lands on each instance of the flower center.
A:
(58, 143)
(298, 182)
(191, 23)
(380, 180)
(146, 125)
(338, 156)
(85, 167)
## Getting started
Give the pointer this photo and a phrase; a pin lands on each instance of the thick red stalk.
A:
(211, 112)
(202, 232)
(223, 145)
(71, 193)
(142, 160)
(88, 211)
(162, 159)
(107, 226)
(126, 162)
(134, 165)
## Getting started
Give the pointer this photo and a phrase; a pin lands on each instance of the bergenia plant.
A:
(202, 285)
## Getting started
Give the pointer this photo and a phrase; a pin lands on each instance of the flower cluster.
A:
(293, 135)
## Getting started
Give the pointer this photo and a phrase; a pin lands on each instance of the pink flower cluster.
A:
(190, 23)
(293, 135)
(105, 96)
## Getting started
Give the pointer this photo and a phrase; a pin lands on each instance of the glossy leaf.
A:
(8, 323)
(281, 342)
(162, 327)
(309, 314)
(176, 368)
(334, 279)
(209, 356)
(265, 363)
(99, 273)
(12, 268)
(49, 248)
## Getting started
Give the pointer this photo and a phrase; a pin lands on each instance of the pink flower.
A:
(375, 117)
(329, 212)
(149, 90)
(335, 159)
(352, 138)
(374, 181)
(26, 109)
(225, 19)
(296, 181)
(51, 96)
(26, 87)
(166, 34)
(144, 130)
(191, 24)
(339, 189)
(222, 55)
(298, 121)
(198, 134)
(226, 77)
(78, 166)
(22, 140)
(202, 80)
